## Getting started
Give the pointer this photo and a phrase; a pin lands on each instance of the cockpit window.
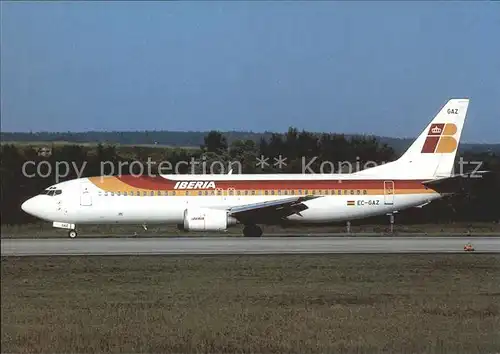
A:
(51, 191)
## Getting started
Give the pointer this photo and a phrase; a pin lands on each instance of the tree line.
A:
(21, 180)
(188, 138)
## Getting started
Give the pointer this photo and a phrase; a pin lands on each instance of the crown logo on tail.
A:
(436, 130)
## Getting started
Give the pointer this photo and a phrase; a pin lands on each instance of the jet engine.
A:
(204, 219)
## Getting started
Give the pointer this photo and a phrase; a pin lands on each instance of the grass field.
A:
(258, 304)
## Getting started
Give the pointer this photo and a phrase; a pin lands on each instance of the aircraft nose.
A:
(30, 206)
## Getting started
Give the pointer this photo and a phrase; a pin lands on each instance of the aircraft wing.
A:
(269, 211)
(454, 184)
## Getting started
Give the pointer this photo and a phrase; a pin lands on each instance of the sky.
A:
(383, 68)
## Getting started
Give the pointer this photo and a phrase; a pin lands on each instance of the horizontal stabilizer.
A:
(455, 183)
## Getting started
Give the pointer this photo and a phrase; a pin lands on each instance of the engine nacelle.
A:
(204, 219)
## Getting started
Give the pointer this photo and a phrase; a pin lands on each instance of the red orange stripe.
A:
(152, 184)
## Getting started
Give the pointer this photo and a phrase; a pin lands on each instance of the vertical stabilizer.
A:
(432, 154)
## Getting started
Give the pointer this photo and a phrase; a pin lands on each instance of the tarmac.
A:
(241, 245)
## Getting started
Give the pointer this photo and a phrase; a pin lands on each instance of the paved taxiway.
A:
(231, 245)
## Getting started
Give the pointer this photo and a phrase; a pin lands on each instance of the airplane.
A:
(215, 202)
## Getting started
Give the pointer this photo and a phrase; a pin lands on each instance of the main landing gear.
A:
(252, 231)
(72, 233)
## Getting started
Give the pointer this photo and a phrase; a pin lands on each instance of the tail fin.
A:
(432, 154)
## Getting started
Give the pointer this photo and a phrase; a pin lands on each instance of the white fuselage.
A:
(83, 202)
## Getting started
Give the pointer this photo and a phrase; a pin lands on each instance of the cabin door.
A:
(388, 192)
(85, 196)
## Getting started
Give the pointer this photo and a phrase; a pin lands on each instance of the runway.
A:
(232, 245)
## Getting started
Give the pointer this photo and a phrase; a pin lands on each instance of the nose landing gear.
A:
(64, 225)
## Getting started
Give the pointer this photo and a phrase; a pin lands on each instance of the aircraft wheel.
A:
(252, 231)
(72, 233)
